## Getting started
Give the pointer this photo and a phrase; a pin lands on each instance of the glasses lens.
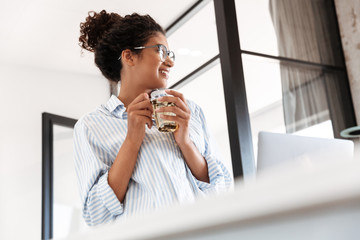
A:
(172, 56)
(162, 52)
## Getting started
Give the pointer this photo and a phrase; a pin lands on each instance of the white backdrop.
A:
(25, 93)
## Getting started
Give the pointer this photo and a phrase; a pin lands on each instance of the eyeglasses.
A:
(163, 52)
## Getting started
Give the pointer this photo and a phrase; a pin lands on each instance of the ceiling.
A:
(44, 33)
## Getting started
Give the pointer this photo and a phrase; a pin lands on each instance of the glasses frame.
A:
(160, 47)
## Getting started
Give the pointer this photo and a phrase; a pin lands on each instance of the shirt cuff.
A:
(215, 176)
(108, 197)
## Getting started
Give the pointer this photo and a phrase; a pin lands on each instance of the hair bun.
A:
(96, 24)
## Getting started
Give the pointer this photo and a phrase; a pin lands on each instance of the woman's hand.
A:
(192, 156)
(182, 117)
(139, 113)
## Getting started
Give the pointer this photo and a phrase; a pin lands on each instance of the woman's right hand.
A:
(139, 113)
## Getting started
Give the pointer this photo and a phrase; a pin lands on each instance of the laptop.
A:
(277, 149)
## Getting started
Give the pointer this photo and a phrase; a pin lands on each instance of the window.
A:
(193, 49)
(292, 66)
(294, 71)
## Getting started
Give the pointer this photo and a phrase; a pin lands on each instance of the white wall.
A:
(26, 92)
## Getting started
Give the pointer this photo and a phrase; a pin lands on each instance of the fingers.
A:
(174, 118)
(177, 101)
(174, 109)
(140, 102)
(144, 105)
(144, 113)
(181, 109)
(140, 98)
(141, 117)
(183, 122)
(176, 94)
(149, 123)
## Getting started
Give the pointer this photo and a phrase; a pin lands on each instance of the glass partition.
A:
(207, 91)
(298, 29)
(67, 207)
(193, 47)
(280, 92)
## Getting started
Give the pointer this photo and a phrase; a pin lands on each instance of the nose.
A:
(168, 62)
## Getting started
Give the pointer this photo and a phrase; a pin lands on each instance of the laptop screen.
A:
(276, 149)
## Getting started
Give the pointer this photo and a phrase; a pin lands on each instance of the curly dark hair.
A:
(108, 34)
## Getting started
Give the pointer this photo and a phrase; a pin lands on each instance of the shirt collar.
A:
(115, 106)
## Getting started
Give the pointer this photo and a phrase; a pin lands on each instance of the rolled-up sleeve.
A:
(219, 176)
(220, 179)
(92, 164)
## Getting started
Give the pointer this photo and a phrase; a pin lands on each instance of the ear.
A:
(128, 57)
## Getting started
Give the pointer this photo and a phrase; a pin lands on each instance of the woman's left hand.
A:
(182, 117)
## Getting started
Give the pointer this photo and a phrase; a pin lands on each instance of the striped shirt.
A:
(160, 177)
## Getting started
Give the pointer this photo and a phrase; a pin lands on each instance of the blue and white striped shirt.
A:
(160, 178)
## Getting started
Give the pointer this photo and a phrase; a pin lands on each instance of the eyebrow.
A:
(163, 45)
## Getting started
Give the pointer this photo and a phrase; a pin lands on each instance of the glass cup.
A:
(162, 125)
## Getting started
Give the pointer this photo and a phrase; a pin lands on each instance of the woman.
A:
(124, 167)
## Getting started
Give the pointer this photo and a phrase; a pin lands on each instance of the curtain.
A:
(305, 31)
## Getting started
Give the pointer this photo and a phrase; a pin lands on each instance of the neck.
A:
(128, 92)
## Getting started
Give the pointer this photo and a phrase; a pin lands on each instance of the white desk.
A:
(313, 202)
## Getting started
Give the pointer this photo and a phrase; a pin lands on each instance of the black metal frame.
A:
(234, 89)
(48, 121)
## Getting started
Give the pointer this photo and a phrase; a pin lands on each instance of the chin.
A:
(157, 83)
(162, 85)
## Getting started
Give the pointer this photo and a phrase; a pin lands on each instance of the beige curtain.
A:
(304, 30)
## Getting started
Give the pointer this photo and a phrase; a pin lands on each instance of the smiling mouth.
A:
(165, 73)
